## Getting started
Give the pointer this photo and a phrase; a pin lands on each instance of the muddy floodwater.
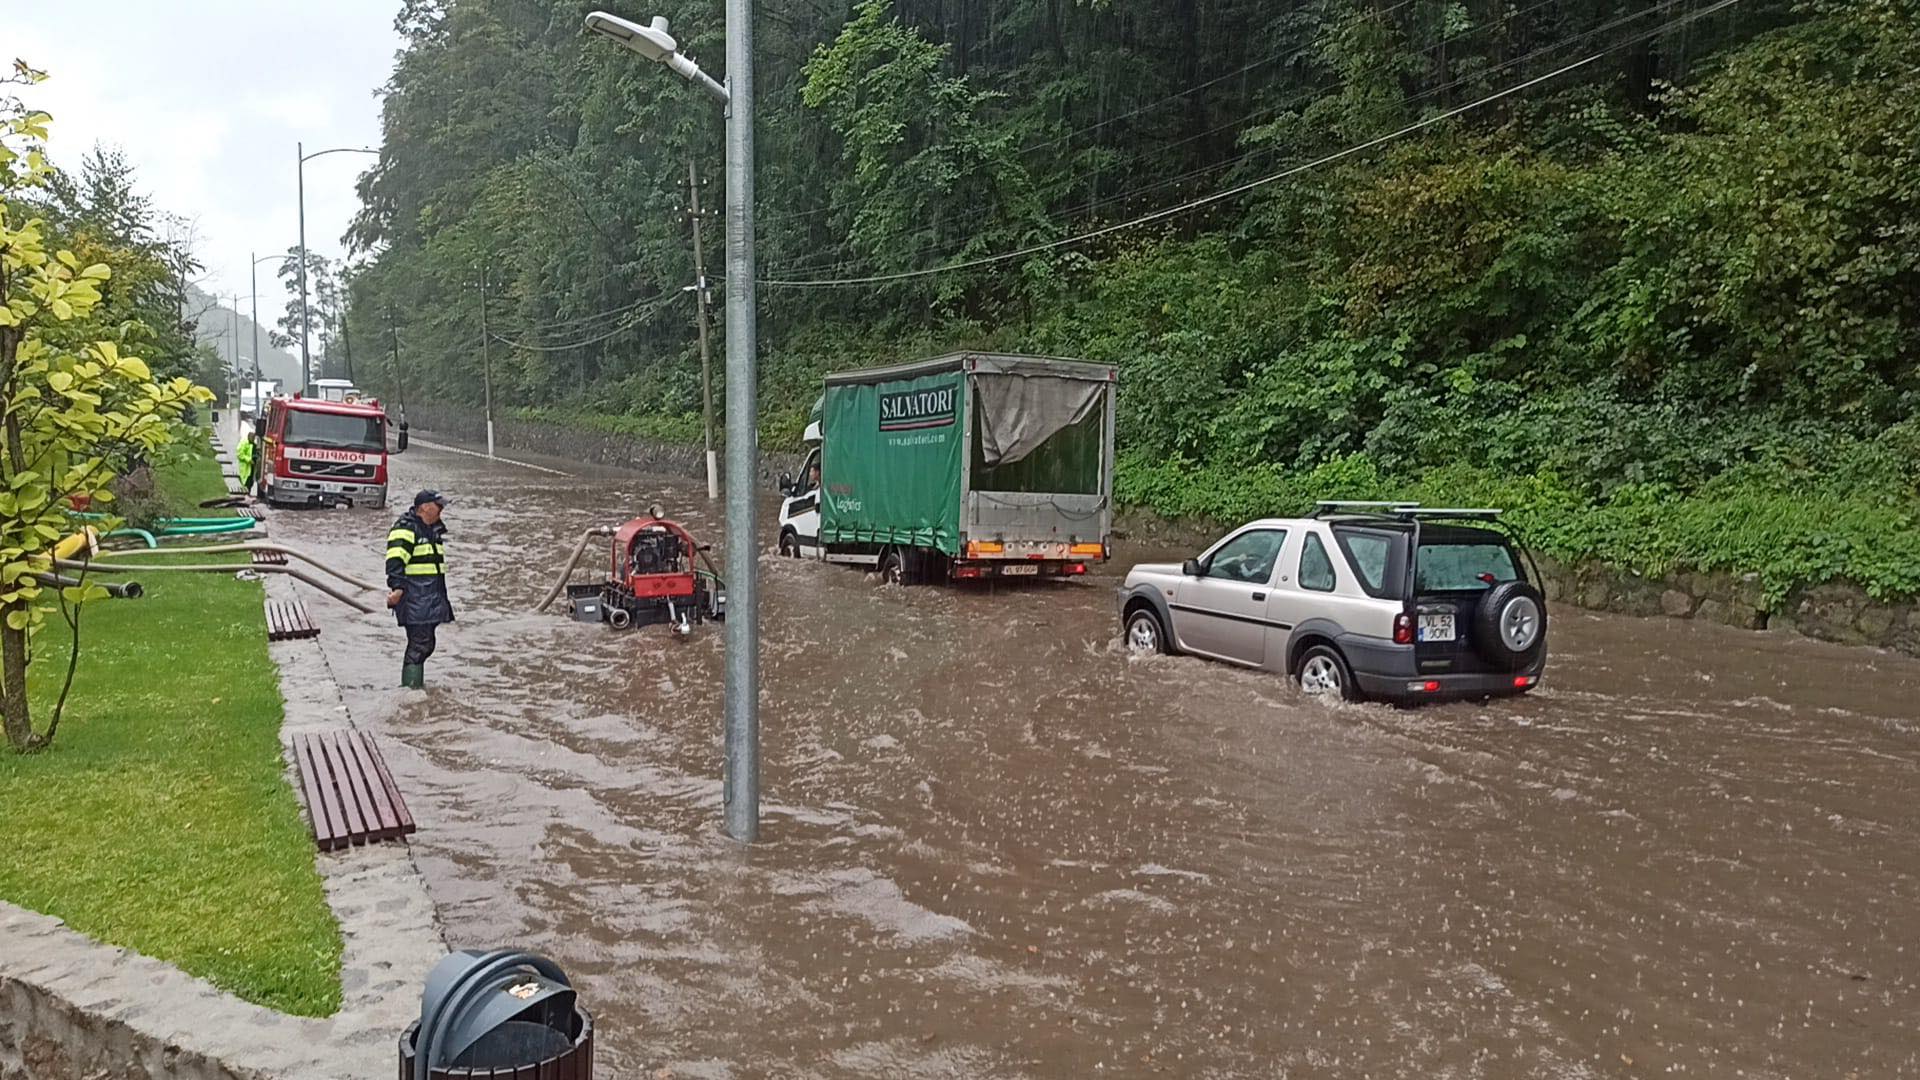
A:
(998, 846)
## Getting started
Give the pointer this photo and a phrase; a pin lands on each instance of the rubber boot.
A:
(413, 676)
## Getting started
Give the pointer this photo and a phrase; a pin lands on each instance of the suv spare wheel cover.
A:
(1510, 624)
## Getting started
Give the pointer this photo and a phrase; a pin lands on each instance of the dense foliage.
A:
(1667, 301)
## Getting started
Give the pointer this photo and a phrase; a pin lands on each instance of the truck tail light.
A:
(966, 571)
(1074, 568)
(1403, 629)
(985, 547)
(1098, 551)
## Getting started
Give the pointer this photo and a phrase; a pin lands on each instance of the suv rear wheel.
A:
(1323, 672)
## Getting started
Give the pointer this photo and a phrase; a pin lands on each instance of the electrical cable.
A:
(1172, 211)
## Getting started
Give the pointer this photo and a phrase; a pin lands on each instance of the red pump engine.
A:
(653, 577)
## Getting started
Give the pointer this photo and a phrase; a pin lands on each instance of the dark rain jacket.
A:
(417, 566)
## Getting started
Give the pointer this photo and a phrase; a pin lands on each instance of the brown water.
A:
(997, 846)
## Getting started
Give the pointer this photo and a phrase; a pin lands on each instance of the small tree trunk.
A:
(13, 682)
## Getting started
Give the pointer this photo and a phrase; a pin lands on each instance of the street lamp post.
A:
(306, 365)
(743, 600)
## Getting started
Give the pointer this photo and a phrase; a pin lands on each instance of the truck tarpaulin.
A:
(893, 462)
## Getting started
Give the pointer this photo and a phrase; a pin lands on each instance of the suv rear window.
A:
(1463, 567)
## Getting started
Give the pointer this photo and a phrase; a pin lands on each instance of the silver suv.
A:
(1381, 600)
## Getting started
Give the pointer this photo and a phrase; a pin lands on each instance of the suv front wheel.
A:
(1323, 672)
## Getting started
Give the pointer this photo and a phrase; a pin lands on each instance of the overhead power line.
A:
(1207, 200)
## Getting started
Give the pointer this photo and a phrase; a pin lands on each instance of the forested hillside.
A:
(1648, 272)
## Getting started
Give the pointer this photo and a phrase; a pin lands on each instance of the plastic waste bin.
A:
(496, 1015)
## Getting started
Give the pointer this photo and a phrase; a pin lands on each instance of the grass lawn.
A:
(160, 819)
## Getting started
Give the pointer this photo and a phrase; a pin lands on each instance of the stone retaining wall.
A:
(612, 450)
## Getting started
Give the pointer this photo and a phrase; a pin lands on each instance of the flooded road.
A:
(997, 846)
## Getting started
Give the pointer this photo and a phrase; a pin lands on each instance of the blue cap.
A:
(429, 496)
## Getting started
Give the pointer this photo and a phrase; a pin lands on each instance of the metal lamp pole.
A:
(306, 364)
(743, 589)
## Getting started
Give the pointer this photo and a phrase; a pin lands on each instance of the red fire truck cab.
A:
(324, 453)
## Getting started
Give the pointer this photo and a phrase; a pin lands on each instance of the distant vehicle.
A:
(324, 453)
(254, 394)
(1381, 600)
(962, 467)
(341, 390)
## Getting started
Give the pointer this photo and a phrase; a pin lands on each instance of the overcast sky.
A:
(208, 99)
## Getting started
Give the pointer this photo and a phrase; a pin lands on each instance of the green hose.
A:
(141, 533)
(186, 526)
(230, 525)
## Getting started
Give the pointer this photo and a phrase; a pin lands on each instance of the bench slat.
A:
(343, 791)
(358, 787)
(376, 790)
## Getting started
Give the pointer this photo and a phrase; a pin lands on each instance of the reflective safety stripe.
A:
(426, 569)
(397, 553)
(428, 548)
(401, 536)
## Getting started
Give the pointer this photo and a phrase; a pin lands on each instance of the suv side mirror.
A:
(1193, 568)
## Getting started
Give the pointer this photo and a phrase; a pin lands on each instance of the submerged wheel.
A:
(1144, 634)
(893, 568)
(1323, 673)
(789, 544)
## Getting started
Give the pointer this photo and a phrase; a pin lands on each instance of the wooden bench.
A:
(350, 796)
(287, 620)
(269, 558)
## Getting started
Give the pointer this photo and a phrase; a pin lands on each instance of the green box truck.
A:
(967, 466)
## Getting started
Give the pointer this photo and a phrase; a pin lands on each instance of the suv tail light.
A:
(1402, 629)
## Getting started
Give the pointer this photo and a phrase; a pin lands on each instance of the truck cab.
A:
(800, 502)
(324, 453)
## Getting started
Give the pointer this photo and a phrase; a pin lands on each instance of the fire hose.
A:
(579, 550)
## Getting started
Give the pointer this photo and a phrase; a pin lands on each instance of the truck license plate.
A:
(1030, 569)
(1436, 628)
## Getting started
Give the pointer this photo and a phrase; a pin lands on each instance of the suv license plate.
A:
(1016, 569)
(1436, 628)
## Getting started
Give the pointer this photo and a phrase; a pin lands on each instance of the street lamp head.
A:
(651, 41)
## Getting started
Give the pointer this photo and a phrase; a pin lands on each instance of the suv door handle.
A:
(1259, 596)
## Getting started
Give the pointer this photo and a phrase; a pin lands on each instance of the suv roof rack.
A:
(1326, 507)
(1401, 511)
(1484, 513)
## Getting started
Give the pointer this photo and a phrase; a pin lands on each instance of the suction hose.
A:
(227, 568)
(573, 561)
(141, 533)
(120, 590)
(221, 549)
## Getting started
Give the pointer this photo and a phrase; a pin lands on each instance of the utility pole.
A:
(399, 377)
(486, 359)
(234, 334)
(346, 343)
(702, 313)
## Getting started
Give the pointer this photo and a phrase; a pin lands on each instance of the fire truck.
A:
(323, 453)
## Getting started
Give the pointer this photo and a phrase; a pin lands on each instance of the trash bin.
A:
(495, 1015)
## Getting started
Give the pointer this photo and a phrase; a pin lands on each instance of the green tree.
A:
(70, 415)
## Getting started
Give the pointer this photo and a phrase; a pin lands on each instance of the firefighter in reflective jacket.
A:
(417, 582)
